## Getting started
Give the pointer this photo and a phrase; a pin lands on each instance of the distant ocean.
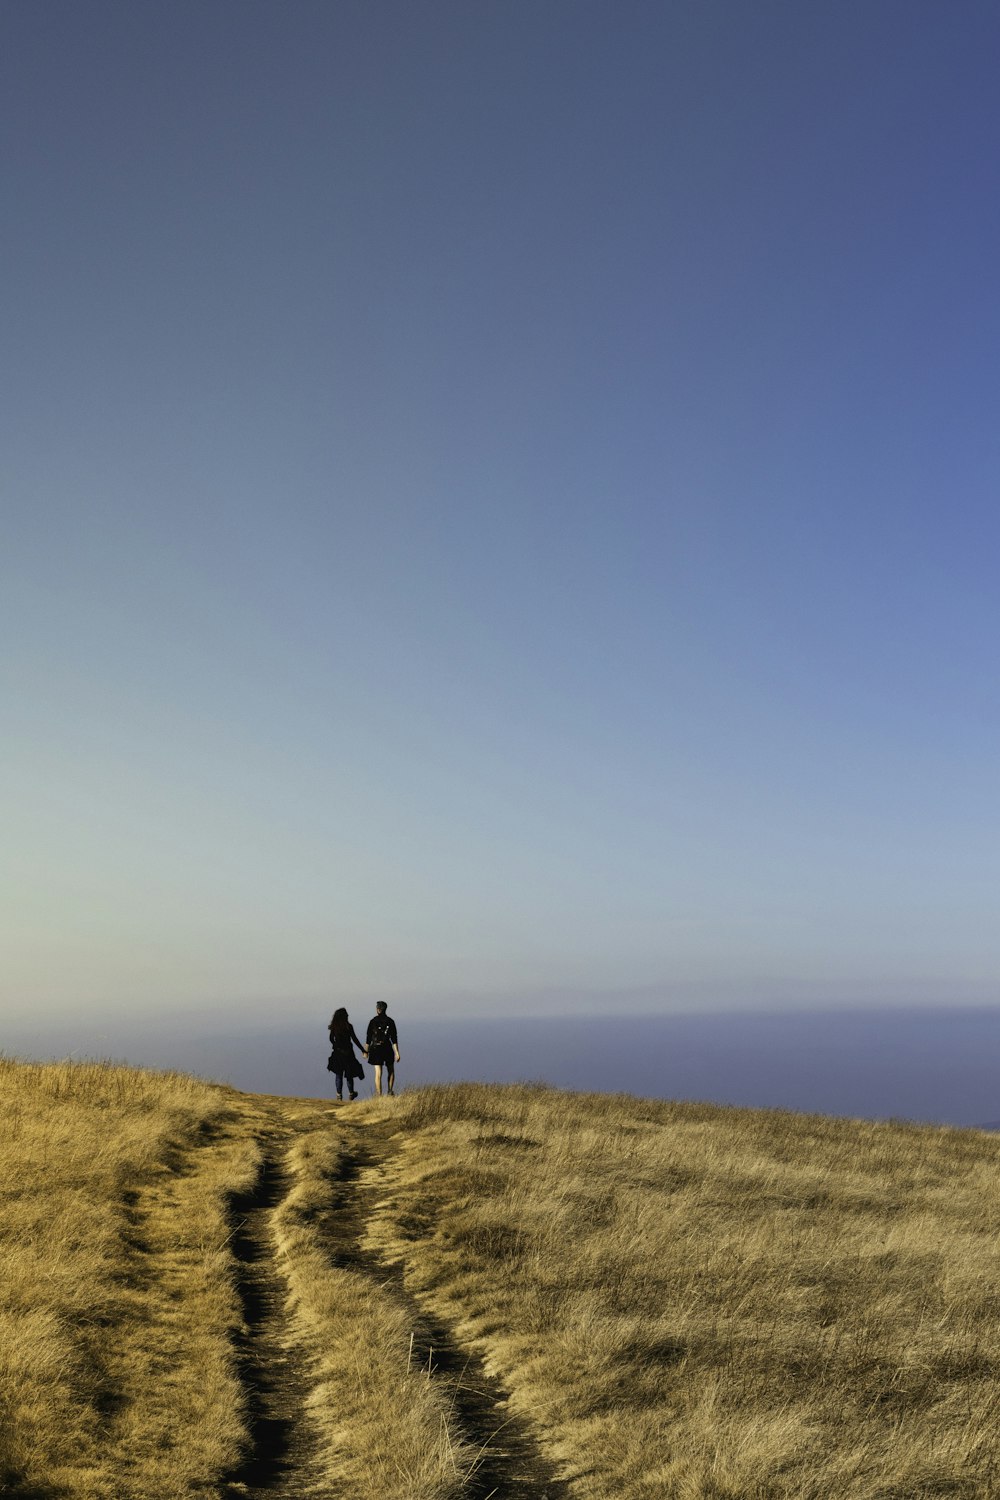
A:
(928, 1064)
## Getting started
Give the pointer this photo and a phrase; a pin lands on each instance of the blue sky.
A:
(499, 505)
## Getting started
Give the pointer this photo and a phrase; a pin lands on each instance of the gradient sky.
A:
(499, 503)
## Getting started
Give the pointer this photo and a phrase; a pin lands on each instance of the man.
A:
(382, 1046)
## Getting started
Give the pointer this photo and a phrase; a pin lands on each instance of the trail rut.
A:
(275, 1380)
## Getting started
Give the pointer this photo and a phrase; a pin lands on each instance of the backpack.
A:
(380, 1033)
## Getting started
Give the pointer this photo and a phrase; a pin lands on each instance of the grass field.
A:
(473, 1291)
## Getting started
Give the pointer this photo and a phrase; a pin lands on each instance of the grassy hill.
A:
(476, 1291)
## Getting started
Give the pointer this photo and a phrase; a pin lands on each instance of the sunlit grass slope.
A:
(688, 1301)
(682, 1301)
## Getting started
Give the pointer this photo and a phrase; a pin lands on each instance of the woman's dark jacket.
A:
(342, 1057)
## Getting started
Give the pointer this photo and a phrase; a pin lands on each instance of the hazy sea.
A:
(927, 1064)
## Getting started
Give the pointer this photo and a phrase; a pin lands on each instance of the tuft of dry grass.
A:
(713, 1304)
(117, 1302)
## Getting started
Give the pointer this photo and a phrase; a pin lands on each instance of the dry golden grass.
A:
(116, 1300)
(713, 1304)
(682, 1301)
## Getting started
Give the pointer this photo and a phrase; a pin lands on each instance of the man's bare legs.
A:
(390, 1076)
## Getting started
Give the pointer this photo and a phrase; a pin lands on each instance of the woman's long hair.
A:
(340, 1025)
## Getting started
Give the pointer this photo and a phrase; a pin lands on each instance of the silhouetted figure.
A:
(343, 1061)
(383, 1047)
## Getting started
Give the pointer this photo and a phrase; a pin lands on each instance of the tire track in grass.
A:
(278, 1459)
(509, 1464)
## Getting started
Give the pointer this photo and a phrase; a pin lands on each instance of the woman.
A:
(343, 1063)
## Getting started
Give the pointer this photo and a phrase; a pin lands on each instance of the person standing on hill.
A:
(343, 1061)
(383, 1047)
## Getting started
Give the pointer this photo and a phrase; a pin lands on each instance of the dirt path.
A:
(509, 1465)
(276, 1374)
